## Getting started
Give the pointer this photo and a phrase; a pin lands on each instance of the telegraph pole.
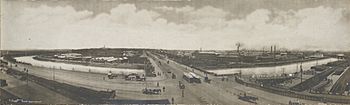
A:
(183, 93)
(26, 70)
(301, 72)
(53, 73)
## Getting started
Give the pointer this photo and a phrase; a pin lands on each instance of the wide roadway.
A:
(222, 92)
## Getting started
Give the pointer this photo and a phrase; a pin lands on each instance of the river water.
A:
(289, 68)
(76, 67)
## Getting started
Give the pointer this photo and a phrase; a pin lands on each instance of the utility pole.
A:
(26, 70)
(240, 73)
(239, 45)
(301, 72)
(53, 73)
(183, 93)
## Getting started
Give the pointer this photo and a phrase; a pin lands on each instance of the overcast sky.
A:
(176, 24)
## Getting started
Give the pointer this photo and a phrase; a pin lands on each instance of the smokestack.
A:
(274, 51)
(271, 49)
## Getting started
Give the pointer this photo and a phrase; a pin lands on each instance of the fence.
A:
(284, 92)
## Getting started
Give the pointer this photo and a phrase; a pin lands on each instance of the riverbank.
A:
(109, 65)
(215, 63)
(288, 68)
(75, 67)
(253, 65)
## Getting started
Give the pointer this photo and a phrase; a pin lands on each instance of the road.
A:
(100, 82)
(32, 91)
(197, 93)
(223, 92)
(95, 81)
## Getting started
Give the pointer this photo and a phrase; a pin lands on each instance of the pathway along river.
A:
(289, 68)
(76, 67)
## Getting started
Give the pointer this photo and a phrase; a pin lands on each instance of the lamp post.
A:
(53, 73)
(301, 72)
(183, 93)
(26, 70)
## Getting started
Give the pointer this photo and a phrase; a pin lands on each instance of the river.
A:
(75, 67)
(289, 68)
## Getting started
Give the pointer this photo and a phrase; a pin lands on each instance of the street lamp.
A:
(27, 75)
(182, 93)
(53, 73)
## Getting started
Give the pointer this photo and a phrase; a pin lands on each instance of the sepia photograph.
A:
(170, 52)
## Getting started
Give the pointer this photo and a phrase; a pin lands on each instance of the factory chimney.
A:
(271, 50)
(274, 52)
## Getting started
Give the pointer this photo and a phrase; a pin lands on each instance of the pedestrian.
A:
(157, 84)
(163, 88)
(114, 92)
(172, 100)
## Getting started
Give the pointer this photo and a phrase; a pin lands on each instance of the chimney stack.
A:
(274, 51)
(271, 49)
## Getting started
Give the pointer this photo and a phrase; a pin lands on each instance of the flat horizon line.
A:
(145, 48)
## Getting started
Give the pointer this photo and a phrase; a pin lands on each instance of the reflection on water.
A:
(290, 68)
(75, 67)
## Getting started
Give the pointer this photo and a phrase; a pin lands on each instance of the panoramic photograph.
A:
(198, 52)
